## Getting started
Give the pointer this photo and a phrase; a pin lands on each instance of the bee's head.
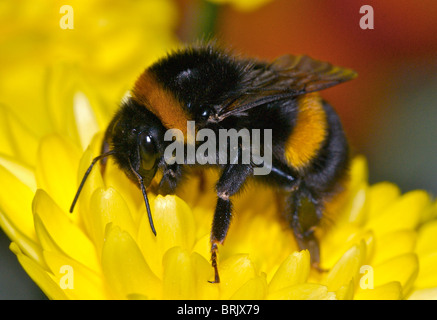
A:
(135, 137)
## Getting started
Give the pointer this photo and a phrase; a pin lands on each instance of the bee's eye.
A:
(148, 152)
(204, 113)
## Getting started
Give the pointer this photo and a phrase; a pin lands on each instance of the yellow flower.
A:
(110, 44)
(380, 244)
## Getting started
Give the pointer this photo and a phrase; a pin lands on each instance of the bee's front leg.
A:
(170, 179)
(230, 182)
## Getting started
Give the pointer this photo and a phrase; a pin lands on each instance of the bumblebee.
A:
(218, 90)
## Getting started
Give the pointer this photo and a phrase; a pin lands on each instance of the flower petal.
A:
(86, 121)
(293, 270)
(403, 269)
(124, 266)
(174, 224)
(254, 289)
(59, 232)
(357, 205)
(24, 173)
(234, 273)
(108, 206)
(345, 292)
(115, 178)
(424, 294)
(394, 244)
(426, 238)
(57, 164)
(179, 275)
(336, 242)
(40, 276)
(405, 213)
(388, 291)
(204, 271)
(94, 181)
(16, 203)
(28, 246)
(347, 268)
(20, 143)
(427, 277)
(381, 195)
(303, 291)
(359, 171)
(86, 284)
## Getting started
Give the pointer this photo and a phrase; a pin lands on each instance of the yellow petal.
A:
(85, 284)
(394, 244)
(203, 246)
(258, 232)
(303, 291)
(381, 195)
(24, 173)
(347, 268)
(59, 232)
(45, 239)
(234, 273)
(254, 289)
(294, 270)
(86, 121)
(124, 266)
(16, 203)
(20, 143)
(108, 206)
(346, 292)
(57, 164)
(115, 178)
(62, 84)
(357, 206)
(40, 276)
(204, 271)
(405, 213)
(426, 238)
(26, 245)
(403, 269)
(174, 224)
(179, 276)
(427, 277)
(336, 242)
(94, 181)
(388, 291)
(424, 294)
(6, 143)
(358, 172)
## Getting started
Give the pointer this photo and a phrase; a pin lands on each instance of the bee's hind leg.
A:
(305, 217)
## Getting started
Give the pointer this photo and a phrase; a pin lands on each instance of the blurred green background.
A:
(389, 111)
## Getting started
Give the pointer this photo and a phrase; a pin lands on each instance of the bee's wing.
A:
(304, 74)
(286, 77)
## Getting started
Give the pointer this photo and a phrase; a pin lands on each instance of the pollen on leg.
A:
(223, 195)
(214, 250)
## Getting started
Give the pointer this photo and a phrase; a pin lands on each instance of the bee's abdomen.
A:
(330, 165)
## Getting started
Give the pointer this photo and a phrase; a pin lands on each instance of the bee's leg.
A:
(305, 216)
(170, 179)
(230, 182)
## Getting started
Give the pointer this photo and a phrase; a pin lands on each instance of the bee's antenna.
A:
(104, 155)
(146, 200)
